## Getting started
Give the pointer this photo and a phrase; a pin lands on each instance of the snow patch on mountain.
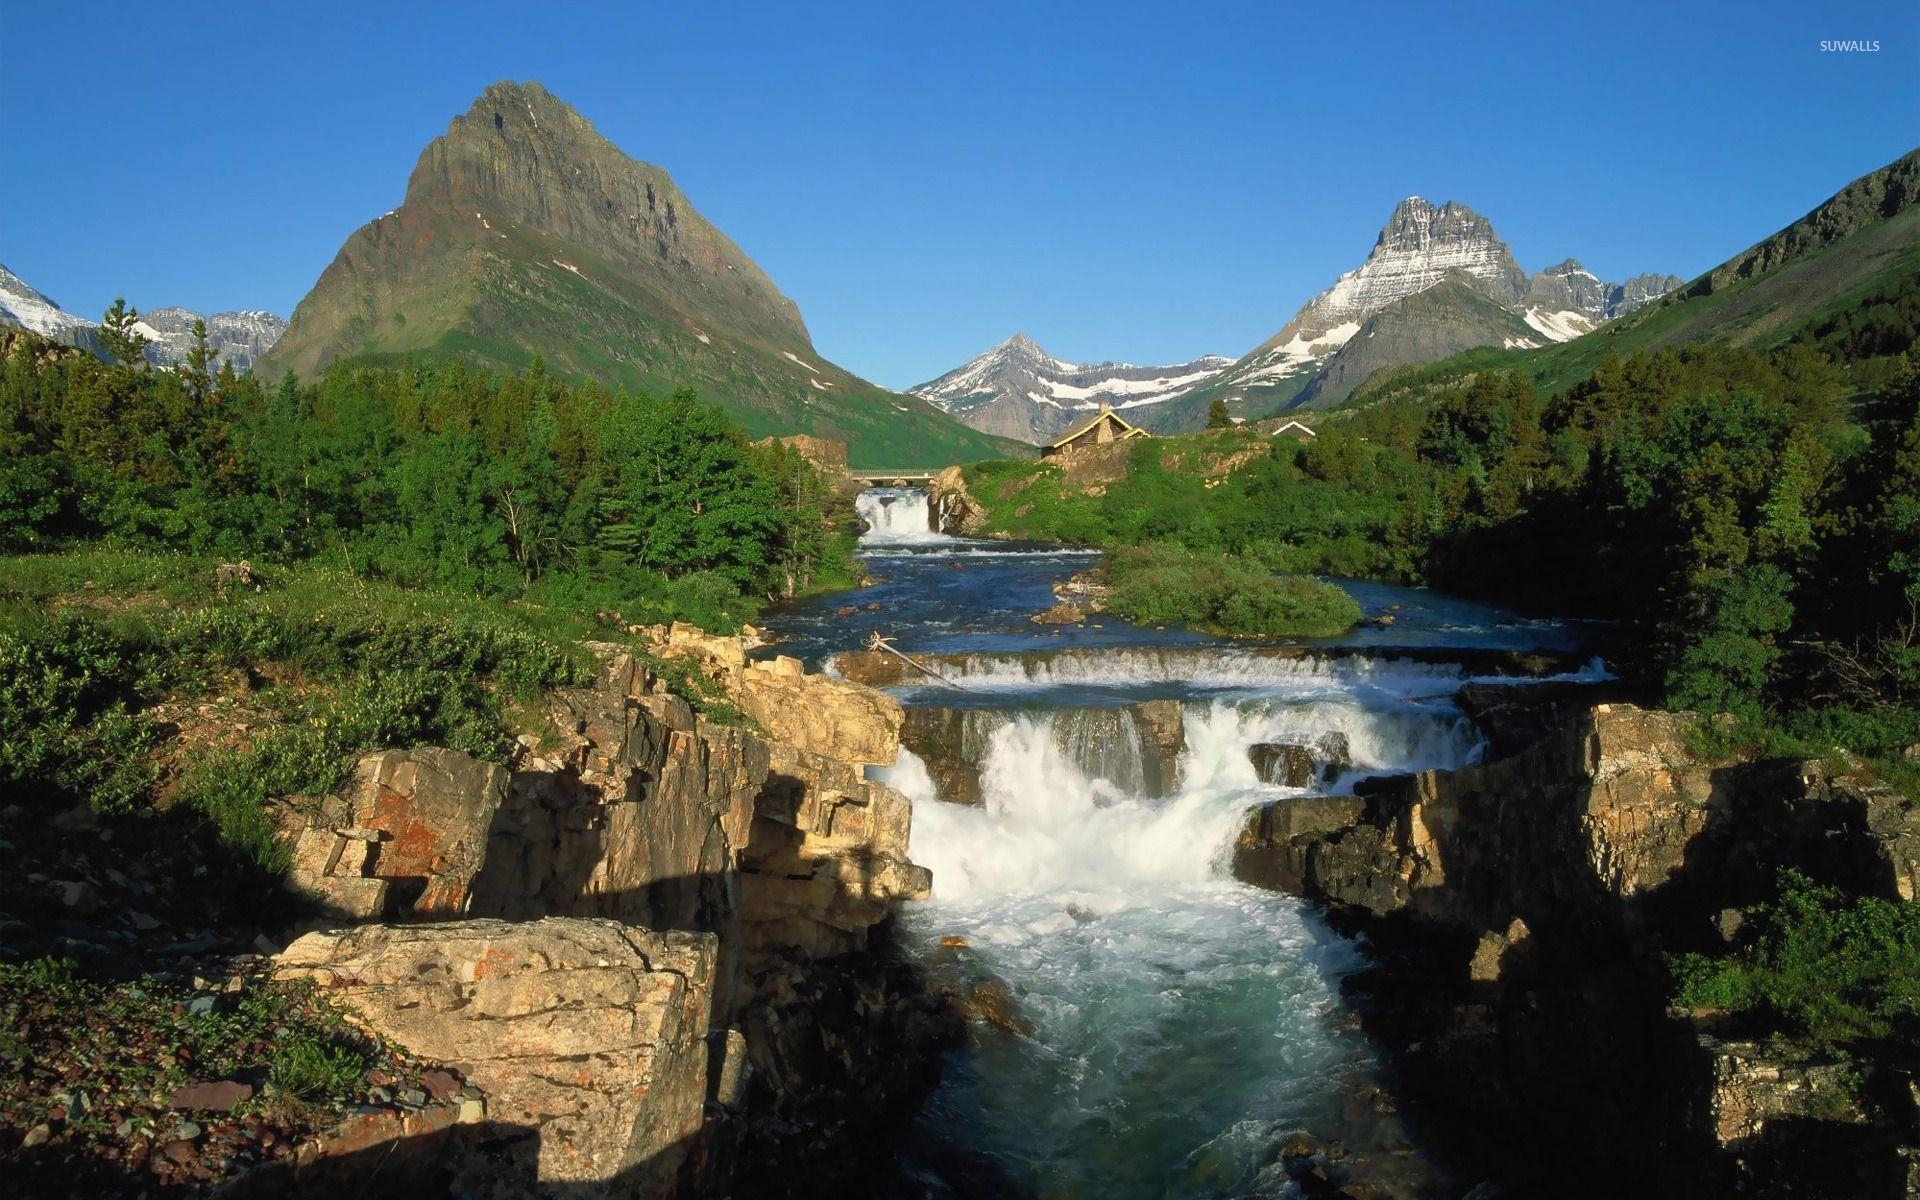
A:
(236, 337)
(22, 306)
(1019, 390)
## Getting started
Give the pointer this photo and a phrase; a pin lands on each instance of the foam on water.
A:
(1182, 1021)
(896, 516)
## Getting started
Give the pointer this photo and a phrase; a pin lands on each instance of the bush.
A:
(1825, 968)
(1167, 585)
(309, 1068)
(69, 733)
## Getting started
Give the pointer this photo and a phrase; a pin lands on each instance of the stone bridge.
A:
(893, 478)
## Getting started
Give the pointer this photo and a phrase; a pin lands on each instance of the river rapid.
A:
(1182, 1024)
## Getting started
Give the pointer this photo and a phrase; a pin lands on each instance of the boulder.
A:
(1757, 1085)
(589, 1033)
(1285, 763)
(1162, 729)
(1299, 764)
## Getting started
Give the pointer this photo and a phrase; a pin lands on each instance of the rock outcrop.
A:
(955, 511)
(589, 1037)
(1522, 910)
(750, 861)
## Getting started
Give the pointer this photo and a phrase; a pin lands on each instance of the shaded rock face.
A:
(774, 860)
(1522, 910)
(624, 1009)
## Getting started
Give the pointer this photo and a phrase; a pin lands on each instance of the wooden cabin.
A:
(1100, 428)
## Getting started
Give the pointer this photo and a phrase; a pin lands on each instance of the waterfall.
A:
(1063, 790)
(894, 515)
(1183, 1022)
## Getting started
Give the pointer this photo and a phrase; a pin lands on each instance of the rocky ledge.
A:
(655, 940)
(1520, 912)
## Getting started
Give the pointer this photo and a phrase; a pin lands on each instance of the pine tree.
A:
(118, 337)
(1217, 415)
(197, 370)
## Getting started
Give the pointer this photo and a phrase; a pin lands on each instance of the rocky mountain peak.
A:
(1418, 226)
(522, 157)
(1566, 267)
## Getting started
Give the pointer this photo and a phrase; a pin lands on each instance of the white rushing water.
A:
(896, 516)
(1183, 1022)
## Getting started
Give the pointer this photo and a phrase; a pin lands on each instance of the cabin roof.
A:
(1080, 427)
(1295, 425)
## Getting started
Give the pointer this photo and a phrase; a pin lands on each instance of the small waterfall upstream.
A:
(896, 515)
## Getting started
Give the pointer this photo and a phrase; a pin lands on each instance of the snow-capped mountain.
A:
(24, 307)
(1018, 390)
(236, 337)
(1567, 300)
(1422, 245)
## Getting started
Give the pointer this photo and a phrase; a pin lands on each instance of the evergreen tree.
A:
(118, 337)
(1218, 417)
(197, 370)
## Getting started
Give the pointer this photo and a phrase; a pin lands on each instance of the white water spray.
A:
(1179, 1014)
(896, 516)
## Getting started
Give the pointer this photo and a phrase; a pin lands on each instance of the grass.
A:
(92, 640)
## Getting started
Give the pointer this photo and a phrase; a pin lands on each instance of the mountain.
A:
(526, 234)
(240, 338)
(236, 337)
(1018, 390)
(26, 308)
(1853, 254)
(1319, 357)
(1434, 323)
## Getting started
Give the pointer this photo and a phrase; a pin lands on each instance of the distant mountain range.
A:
(1018, 390)
(1438, 281)
(526, 234)
(236, 337)
(1854, 253)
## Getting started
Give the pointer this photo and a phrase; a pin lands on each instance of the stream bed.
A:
(1171, 1027)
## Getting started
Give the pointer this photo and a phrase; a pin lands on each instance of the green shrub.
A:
(1825, 967)
(310, 1068)
(64, 690)
(1167, 585)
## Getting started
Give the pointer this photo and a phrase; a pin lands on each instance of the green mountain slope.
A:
(526, 234)
(1860, 245)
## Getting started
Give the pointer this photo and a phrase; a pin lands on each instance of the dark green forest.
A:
(516, 486)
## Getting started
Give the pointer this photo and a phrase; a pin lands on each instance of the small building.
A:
(1098, 429)
(1295, 429)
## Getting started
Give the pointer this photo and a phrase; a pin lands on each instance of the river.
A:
(1180, 1024)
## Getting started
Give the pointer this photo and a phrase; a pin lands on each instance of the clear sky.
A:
(1146, 182)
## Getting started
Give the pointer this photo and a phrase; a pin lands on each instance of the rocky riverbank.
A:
(648, 955)
(1520, 913)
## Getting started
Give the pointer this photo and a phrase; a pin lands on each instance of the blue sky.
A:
(1139, 181)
